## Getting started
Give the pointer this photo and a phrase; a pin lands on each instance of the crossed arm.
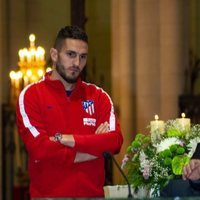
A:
(68, 140)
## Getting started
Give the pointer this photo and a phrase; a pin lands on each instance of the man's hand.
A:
(103, 128)
(82, 157)
(192, 170)
(67, 140)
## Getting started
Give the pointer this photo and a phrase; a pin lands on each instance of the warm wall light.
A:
(31, 67)
(31, 61)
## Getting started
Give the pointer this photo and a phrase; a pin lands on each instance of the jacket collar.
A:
(57, 85)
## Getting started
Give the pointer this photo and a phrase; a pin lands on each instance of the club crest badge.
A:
(88, 106)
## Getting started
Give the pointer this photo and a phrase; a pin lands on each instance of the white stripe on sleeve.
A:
(112, 119)
(24, 115)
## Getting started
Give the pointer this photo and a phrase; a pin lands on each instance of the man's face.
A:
(71, 59)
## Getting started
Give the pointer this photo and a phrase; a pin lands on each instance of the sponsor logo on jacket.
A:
(89, 121)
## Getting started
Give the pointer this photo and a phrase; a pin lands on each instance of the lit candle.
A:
(12, 78)
(25, 53)
(32, 55)
(40, 72)
(37, 56)
(28, 57)
(157, 125)
(25, 81)
(21, 55)
(41, 53)
(183, 122)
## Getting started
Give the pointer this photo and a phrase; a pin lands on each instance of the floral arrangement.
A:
(155, 159)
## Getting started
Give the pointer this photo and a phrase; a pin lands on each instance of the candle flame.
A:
(156, 117)
(183, 115)
(32, 37)
(12, 75)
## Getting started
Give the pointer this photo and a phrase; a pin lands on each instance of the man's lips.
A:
(74, 69)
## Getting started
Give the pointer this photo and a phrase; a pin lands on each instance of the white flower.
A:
(146, 172)
(166, 143)
(143, 159)
(124, 161)
(192, 146)
(145, 166)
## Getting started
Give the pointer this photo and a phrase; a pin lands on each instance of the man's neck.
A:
(56, 76)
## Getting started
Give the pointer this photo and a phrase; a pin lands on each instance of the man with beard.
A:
(67, 124)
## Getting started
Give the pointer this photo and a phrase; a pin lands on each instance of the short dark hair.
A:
(73, 32)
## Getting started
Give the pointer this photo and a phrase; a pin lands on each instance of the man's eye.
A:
(71, 54)
(83, 57)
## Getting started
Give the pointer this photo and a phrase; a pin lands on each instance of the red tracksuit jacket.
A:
(44, 109)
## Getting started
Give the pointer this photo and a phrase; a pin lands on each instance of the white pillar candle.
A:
(157, 125)
(183, 122)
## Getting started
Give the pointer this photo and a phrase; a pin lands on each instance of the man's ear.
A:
(54, 54)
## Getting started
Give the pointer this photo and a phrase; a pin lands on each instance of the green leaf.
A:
(180, 150)
(129, 149)
(167, 153)
(173, 133)
(136, 144)
(168, 161)
(147, 139)
(173, 147)
(178, 162)
(139, 137)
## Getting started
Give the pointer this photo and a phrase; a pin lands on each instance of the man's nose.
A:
(77, 60)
